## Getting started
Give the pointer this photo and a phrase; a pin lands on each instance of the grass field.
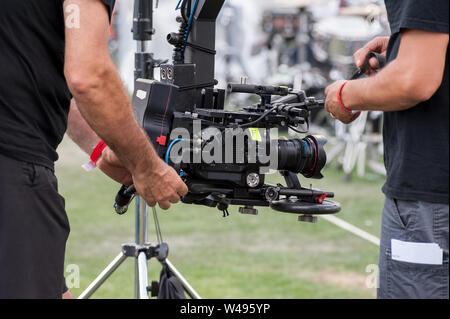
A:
(266, 256)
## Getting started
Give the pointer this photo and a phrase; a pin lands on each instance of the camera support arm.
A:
(143, 31)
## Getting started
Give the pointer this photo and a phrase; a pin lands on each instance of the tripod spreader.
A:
(160, 251)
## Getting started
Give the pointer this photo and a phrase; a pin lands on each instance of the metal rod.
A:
(105, 274)
(136, 264)
(141, 223)
(142, 46)
(142, 20)
(141, 236)
(184, 282)
(142, 273)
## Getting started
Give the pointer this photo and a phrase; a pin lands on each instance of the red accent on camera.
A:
(321, 198)
(162, 140)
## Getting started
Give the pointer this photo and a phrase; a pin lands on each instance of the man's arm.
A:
(414, 76)
(82, 134)
(104, 104)
(79, 130)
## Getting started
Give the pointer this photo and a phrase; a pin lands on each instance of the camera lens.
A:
(306, 156)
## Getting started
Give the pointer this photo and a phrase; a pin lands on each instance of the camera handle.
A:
(365, 67)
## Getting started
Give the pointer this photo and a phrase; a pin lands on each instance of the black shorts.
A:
(33, 231)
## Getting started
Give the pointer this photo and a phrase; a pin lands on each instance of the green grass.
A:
(266, 256)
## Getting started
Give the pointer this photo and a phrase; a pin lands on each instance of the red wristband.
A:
(339, 98)
(96, 153)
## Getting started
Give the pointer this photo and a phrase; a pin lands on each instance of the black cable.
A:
(186, 9)
(183, 10)
(222, 127)
(200, 48)
(264, 115)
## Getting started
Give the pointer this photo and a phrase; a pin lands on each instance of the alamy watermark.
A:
(72, 16)
(72, 275)
(372, 279)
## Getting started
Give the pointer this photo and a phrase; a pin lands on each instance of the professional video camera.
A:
(184, 116)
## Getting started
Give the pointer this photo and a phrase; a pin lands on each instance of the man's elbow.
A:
(417, 88)
(78, 83)
(82, 81)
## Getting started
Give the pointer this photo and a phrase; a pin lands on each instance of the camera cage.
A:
(187, 93)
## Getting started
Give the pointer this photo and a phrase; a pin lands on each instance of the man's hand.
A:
(412, 77)
(332, 104)
(110, 164)
(160, 184)
(378, 45)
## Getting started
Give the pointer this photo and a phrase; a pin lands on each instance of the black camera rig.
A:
(184, 117)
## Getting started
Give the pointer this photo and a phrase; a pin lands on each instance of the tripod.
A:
(142, 251)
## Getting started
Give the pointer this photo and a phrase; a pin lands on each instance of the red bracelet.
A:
(96, 153)
(339, 98)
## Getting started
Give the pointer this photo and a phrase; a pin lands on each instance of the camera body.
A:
(224, 155)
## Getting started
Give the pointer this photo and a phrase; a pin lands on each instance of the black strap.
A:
(197, 86)
(200, 48)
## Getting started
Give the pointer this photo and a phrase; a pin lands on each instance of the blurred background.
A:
(303, 44)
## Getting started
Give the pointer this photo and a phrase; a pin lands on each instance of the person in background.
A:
(413, 92)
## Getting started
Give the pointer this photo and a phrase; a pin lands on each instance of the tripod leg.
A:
(105, 274)
(186, 285)
(142, 273)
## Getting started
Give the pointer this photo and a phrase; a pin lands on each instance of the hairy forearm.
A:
(389, 90)
(102, 101)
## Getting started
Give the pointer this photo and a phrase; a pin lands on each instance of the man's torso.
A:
(416, 140)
